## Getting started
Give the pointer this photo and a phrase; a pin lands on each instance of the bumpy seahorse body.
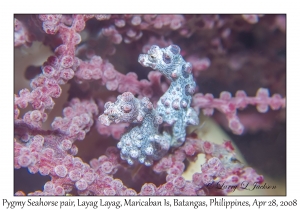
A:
(174, 105)
(143, 142)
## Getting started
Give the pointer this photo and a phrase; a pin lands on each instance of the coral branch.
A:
(21, 35)
(221, 167)
(228, 105)
(97, 69)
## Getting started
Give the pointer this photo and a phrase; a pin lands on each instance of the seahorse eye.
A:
(112, 116)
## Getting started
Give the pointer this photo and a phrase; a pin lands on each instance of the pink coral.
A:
(96, 56)
(228, 105)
